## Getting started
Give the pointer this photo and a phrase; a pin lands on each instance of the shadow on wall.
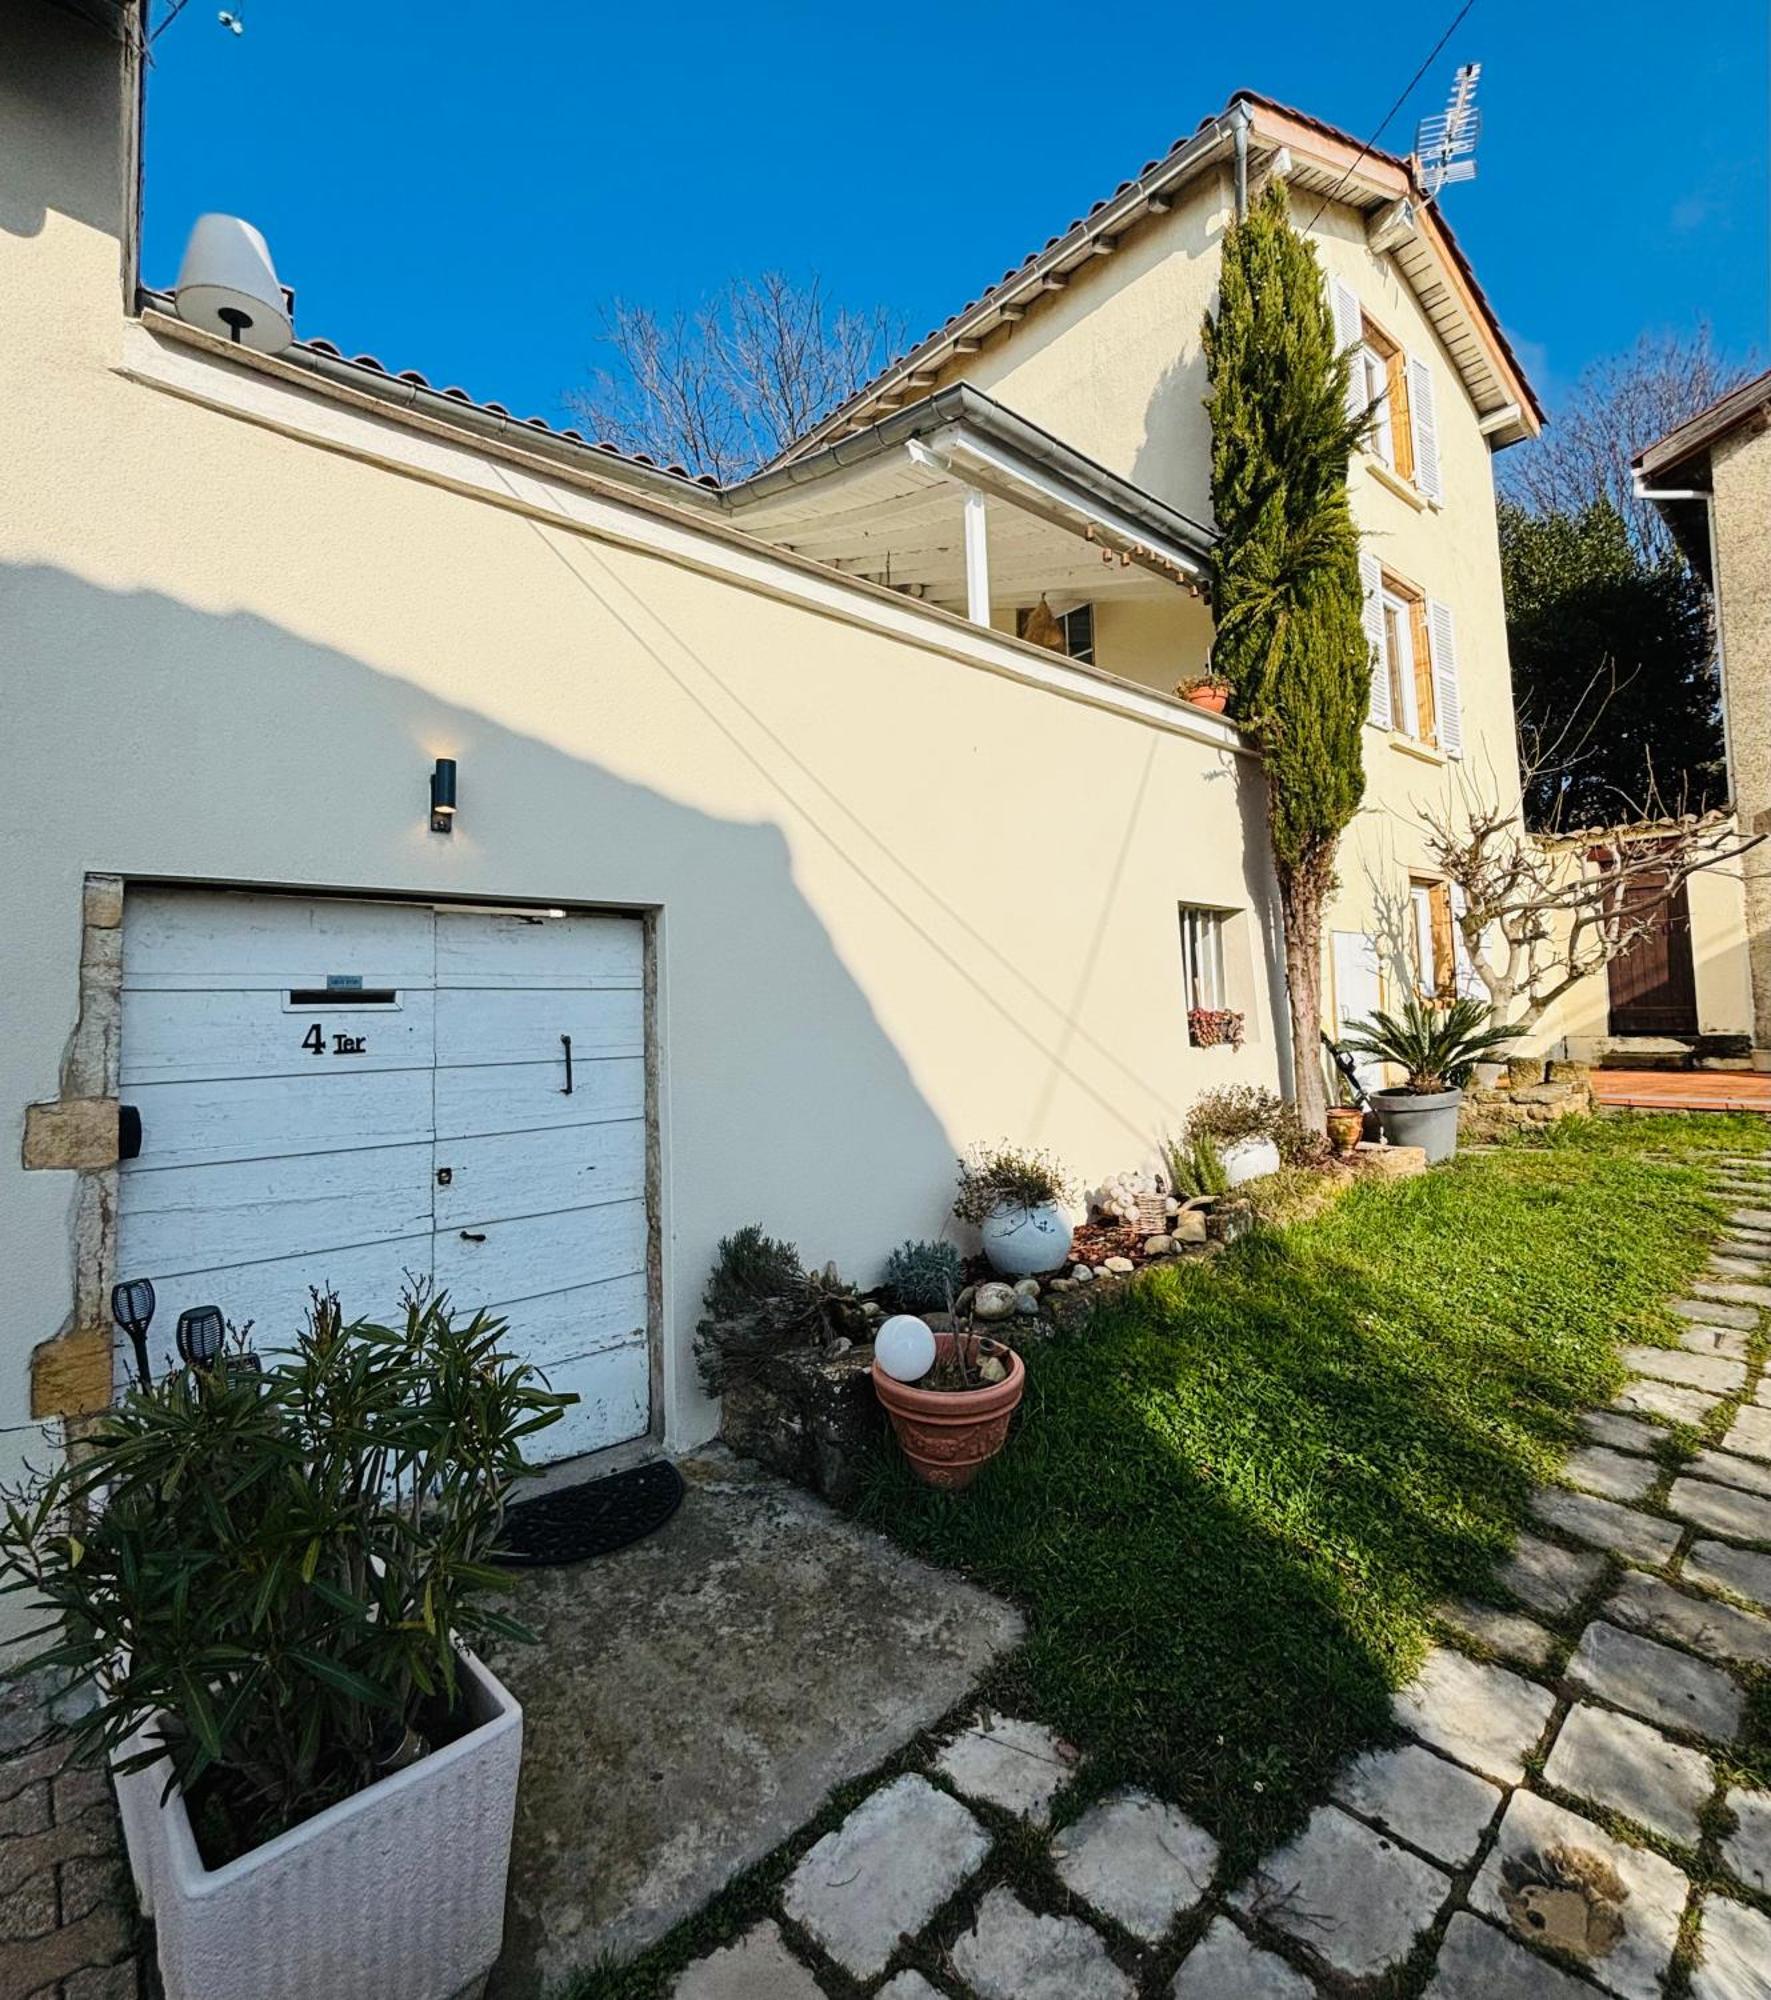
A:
(54, 103)
(1174, 460)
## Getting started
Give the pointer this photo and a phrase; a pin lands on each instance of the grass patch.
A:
(1237, 1491)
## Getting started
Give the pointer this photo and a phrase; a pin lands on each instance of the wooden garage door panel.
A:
(533, 1173)
(528, 1097)
(588, 1319)
(325, 1110)
(614, 1397)
(485, 1026)
(524, 1258)
(181, 1037)
(206, 939)
(257, 1211)
(502, 951)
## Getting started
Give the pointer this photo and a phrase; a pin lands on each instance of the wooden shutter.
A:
(1371, 616)
(1349, 337)
(1469, 984)
(1425, 429)
(1443, 630)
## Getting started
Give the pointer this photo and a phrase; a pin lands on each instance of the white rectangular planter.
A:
(395, 1894)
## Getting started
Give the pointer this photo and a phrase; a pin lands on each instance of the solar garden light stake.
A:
(132, 1307)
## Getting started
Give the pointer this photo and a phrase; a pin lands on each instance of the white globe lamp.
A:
(904, 1348)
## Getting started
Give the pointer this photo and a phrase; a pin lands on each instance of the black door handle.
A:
(473, 1236)
(566, 1044)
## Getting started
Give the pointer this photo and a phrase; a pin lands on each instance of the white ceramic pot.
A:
(1248, 1159)
(395, 1894)
(1023, 1242)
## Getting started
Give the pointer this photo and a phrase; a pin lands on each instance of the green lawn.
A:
(1237, 1491)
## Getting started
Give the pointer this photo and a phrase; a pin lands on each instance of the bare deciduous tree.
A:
(1619, 405)
(722, 389)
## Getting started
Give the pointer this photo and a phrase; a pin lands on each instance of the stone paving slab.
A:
(1718, 1631)
(1016, 1765)
(1751, 1475)
(1623, 1433)
(1747, 1850)
(1548, 1577)
(1655, 1682)
(1750, 1218)
(1736, 1946)
(1137, 1860)
(1477, 1963)
(1713, 1372)
(1728, 1264)
(1738, 1291)
(1614, 1761)
(1619, 1530)
(1750, 1432)
(1664, 1399)
(886, 1870)
(1727, 1341)
(1011, 1954)
(1615, 1475)
(1223, 1965)
(1356, 1900)
(1507, 1633)
(1724, 1510)
(1753, 1250)
(909, 1986)
(1484, 1716)
(1532, 1886)
(758, 1967)
(1436, 1806)
(1742, 1572)
(1713, 1312)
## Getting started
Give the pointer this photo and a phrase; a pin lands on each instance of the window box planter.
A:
(1427, 1119)
(396, 1893)
(1214, 1028)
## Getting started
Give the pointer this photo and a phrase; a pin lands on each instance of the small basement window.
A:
(1202, 958)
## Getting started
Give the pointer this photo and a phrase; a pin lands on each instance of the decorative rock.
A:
(1477, 1963)
(1708, 1313)
(1355, 1899)
(1158, 1246)
(1438, 1807)
(1121, 1267)
(1010, 1954)
(1548, 1577)
(1080, 1274)
(1653, 1681)
(1026, 1307)
(1606, 1525)
(1749, 1474)
(758, 1967)
(1632, 1769)
(1557, 1879)
(1101, 1271)
(1060, 1284)
(1614, 1474)
(1692, 1371)
(1750, 1433)
(1223, 1965)
(1736, 1953)
(1662, 1399)
(1725, 1510)
(1138, 1861)
(1503, 1632)
(1740, 1572)
(1747, 1850)
(1623, 1433)
(1645, 1604)
(1028, 1288)
(993, 1300)
(886, 1870)
(1483, 1716)
(1189, 1227)
(1008, 1763)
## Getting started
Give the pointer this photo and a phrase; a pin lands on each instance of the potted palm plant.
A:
(267, 1579)
(1016, 1201)
(1437, 1046)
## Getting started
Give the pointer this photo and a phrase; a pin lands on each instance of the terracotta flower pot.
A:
(947, 1434)
(1205, 695)
(1346, 1125)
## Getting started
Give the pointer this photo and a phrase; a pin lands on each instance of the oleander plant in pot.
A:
(1016, 1200)
(1437, 1045)
(267, 1582)
(949, 1394)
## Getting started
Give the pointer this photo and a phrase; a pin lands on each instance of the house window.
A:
(1381, 370)
(1202, 958)
(1431, 948)
(1405, 659)
(1077, 626)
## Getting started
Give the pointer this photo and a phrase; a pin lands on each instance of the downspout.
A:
(1240, 119)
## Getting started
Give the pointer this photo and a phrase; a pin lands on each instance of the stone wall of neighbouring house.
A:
(1528, 1097)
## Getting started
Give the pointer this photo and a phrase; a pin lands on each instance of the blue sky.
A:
(457, 187)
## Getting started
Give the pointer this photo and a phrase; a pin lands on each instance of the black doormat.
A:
(590, 1520)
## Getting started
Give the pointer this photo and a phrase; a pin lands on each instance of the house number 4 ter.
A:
(314, 1041)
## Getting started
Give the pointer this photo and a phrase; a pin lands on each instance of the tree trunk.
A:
(1302, 893)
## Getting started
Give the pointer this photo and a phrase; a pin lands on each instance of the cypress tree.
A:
(1285, 585)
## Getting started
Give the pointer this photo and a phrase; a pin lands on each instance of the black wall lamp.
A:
(442, 796)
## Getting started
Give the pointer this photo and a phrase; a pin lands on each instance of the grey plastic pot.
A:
(1428, 1120)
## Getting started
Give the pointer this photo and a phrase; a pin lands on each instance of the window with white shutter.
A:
(1349, 336)
(1425, 428)
(1371, 617)
(1442, 638)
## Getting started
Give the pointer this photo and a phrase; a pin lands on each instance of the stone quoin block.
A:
(71, 1134)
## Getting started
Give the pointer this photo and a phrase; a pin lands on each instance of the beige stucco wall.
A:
(906, 902)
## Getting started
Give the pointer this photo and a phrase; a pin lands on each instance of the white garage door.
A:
(350, 1095)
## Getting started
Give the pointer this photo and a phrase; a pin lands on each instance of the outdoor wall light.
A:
(442, 796)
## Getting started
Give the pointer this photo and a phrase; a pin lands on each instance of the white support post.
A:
(977, 559)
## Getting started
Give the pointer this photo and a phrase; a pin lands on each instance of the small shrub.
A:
(749, 1270)
(1194, 1170)
(922, 1277)
(1245, 1111)
(761, 1300)
(992, 1177)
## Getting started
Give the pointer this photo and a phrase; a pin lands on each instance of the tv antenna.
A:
(1445, 145)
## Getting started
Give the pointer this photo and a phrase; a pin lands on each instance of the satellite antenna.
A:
(1445, 146)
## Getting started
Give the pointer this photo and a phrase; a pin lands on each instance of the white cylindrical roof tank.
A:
(227, 286)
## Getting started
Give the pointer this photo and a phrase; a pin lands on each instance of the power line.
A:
(1408, 91)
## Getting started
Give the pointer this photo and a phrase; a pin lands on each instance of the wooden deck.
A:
(1684, 1089)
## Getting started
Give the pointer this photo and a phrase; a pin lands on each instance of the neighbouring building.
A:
(782, 863)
